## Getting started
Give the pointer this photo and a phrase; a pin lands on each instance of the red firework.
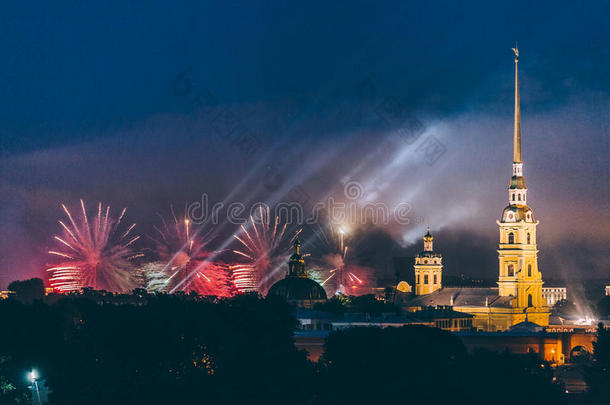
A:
(97, 254)
(183, 249)
(265, 249)
(336, 271)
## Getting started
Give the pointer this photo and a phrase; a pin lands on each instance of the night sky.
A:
(147, 104)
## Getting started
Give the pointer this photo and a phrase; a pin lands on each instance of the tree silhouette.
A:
(603, 306)
(27, 291)
(11, 392)
(564, 308)
(598, 374)
(361, 365)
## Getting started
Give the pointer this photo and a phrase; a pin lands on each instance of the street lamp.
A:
(34, 379)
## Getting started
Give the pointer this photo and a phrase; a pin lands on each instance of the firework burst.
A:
(336, 271)
(265, 249)
(184, 253)
(97, 253)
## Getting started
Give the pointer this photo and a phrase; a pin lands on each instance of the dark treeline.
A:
(170, 350)
(176, 349)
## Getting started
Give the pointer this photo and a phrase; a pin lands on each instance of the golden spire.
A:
(517, 135)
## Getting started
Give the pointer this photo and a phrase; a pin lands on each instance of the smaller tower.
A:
(428, 268)
(296, 264)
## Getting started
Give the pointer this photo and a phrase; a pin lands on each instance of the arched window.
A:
(529, 270)
(425, 279)
(418, 279)
(510, 270)
(529, 238)
(529, 301)
(435, 279)
(519, 197)
(513, 197)
(511, 238)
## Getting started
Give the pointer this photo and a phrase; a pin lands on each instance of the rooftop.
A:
(461, 297)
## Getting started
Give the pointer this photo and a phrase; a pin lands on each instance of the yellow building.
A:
(428, 268)
(518, 296)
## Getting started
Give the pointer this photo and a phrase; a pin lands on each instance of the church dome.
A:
(517, 213)
(298, 289)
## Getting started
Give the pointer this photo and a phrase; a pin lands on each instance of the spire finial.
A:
(297, 246)
(517, 124)
(428, 241)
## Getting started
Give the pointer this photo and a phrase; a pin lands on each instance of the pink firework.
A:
(336, 271)
(97, 253)
(184, 251)
(264, 247)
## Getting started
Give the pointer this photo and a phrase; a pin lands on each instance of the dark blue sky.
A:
(90, 109)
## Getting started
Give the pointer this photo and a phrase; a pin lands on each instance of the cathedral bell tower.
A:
(517, 252)
(428, 268)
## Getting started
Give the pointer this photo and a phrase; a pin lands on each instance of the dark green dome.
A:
(298, 289)
(517, 182)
